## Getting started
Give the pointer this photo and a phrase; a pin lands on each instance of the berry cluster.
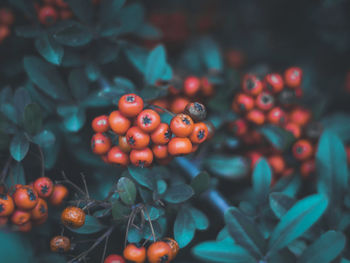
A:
(193, 88)
(50, 11)
(27, 205)
(163, 251)
(273, 100)
(143, 138)
(7, 18)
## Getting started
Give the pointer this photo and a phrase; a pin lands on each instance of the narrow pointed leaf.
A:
(262, 176)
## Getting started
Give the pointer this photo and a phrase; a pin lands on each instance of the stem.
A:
(66, 180)
(42, 161)
(94, 245)
(150, 224)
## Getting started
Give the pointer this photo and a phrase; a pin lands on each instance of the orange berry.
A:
(179, 146)
(141, 158)
(252, 85)
(47, 15)
(59, 194)
(199, 133)
(117, 156)
(277, 116)
(160, 151)
(178, 105)
(207, 89)
(174, 246)
(293, 128)
(20, 217)
(148, 120)
(73, 217)
(159, 252)
(100, 124)
(26, 227)
(274, 82)
(293, 77)
(123, 144)
(242, 103)
(302, 149)
(300, 116)
(256, 116)
(118, 122)
(162, 134)
(130, 105)
(191, 86)
(181, 125)
(134, 253)
(100, 143)
(7, 205)
(40, 210)
(137, 138)
(60, 244)
(277, 163)
(43, 186)
(25, 197)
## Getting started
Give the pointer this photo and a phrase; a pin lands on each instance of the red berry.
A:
(100, 124)
(100, 143)
(302, 149)
(47, 15)
(252, 85)
(43, 186)
(293, 77)
(274, 83)
(191, 86)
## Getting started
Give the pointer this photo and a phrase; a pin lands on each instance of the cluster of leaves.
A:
(272, 225)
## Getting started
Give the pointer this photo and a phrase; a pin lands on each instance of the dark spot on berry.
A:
(146, 120)
(266, 99)
(44, 189)
(250, 84)
(186, 121)
(130, 98)
(164, 258)
(198, 106)
(3, 197)
(269, 87)
(167, 135)
(201, 134)
(42, 209)
(31, 195)
(299, 150)
(131, 140)
(2, 207)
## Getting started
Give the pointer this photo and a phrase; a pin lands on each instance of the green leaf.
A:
(73, 34)
(49, 49)
(120, 211)
(143, 176)
(227, 166)
(17, 175)
(73, 117)
(297, 221)
(200, 183)
(278, 137)
(92, 71)
(19, 147)
(78, 83)
(137, 56)
(28, 31)
(9, 111)
(210, 54)
(156, 65)
(132, 18)
(244, 231)
(82, 9)
(46, 77)
(45, 138)
(200, 219)
(222, 252)
(280, 203)
(21, 99)
(32, 118)
(184, 227)
(127, 190)
(92, 225)
(325, 249)
(109, 9)
(262, 176)
(134, 235)
(289, 185)
(331, 165)
(178, 193)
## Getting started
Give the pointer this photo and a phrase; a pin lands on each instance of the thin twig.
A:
(150, 224)
(66, 180)
(105, 249)
(94, 245)
(85, 185)
(130, 221)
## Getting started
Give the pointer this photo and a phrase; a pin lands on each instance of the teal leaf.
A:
(325, 249)
(106, 52)
(280, 203)
(297, 221)
(73, 34)
(83, 9)
(331, 165)
(9, 111)
(244, 231)
(127, 190)
(28, 31)
(73, 117)
(132, 18)
(45, 138)
(32, 118)
(143, 176)
(17, 175)
(15, 248)
(21, 99)
(230, 167)
(262, 176)
(49, 49)
(200, 183)
(222, 252)
(109, 10)
(19, 147)
(178, 193)
(78, 83)
(137, 56)
(92, 225)
(134, 235)
(200, 219)
(46, 77)
(289, 185)
(120, 211)
(184, 227)
(148, 31)
(278, 137)
(92, 71)
(210, 54)
(156, 65)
